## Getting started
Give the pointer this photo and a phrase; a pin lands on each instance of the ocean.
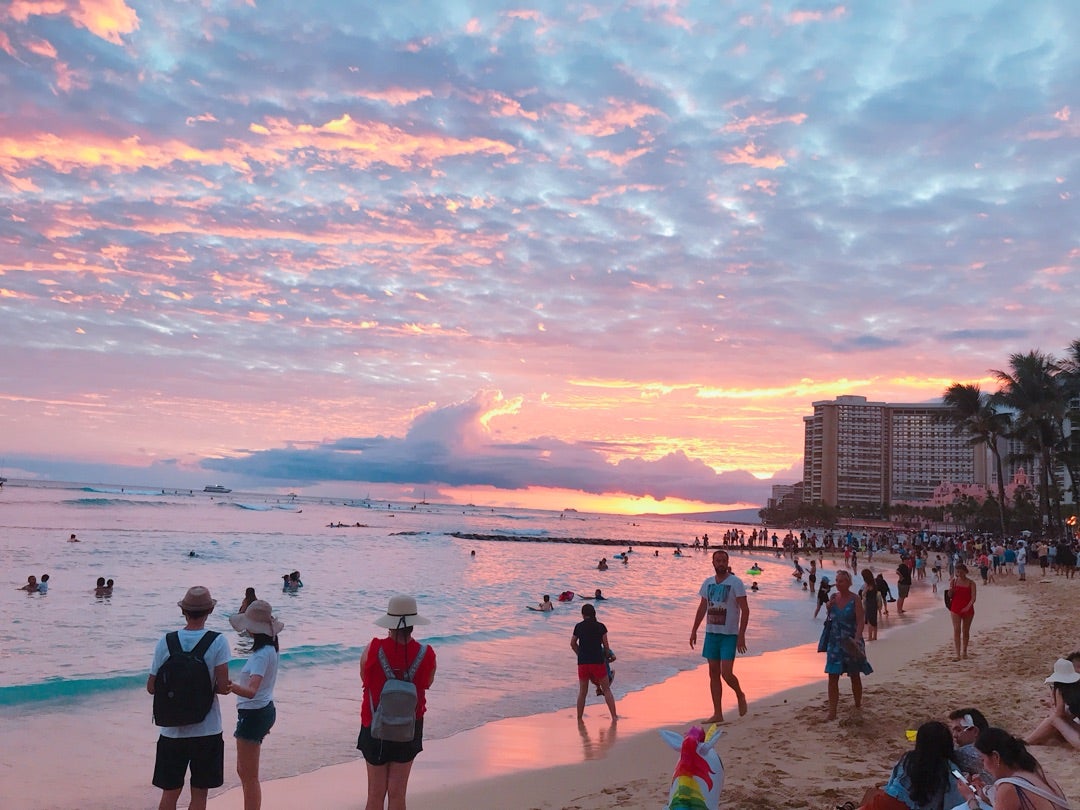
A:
(70, 656)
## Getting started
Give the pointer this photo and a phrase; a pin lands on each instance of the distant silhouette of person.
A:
(73, 539)
(99, 589)
(249, 597)
(31, 585)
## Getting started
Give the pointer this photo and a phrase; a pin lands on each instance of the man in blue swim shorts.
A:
(723, 605)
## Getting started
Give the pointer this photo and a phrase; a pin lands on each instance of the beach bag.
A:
(826, 628)
(394, 719)
(183, 689)
(948, 597)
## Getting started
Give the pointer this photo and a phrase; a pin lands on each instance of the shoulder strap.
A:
(207, 639)
(1023, 784)
(386, 668)
(416, 663)
(173, 640)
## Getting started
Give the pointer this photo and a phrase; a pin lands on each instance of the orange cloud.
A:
(618, 116)
(107, 19)
(617, 159)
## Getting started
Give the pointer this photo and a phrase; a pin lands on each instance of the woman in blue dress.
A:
(844, 651)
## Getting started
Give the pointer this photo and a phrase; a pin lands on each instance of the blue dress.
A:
(843, 627)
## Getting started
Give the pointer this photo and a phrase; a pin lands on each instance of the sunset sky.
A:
(601, 255)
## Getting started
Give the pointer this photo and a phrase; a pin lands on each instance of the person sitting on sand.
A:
(965, 725)
(546, 604)
(31, 585)
(1020, 783)
(922, 779)
(1063, 721)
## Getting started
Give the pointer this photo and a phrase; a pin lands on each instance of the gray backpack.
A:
(394, 719)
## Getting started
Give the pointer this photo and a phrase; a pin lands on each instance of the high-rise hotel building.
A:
(872, 453)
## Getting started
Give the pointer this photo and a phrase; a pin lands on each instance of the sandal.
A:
(846, 806)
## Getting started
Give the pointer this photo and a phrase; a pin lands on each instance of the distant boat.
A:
(217, 489)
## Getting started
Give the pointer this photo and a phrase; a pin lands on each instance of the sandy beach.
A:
(783, 753)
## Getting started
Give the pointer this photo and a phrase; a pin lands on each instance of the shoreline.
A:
(550, 762)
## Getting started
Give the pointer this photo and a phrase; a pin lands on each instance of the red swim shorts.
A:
(591, 672)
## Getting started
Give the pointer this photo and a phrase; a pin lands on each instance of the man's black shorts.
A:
(205, 756)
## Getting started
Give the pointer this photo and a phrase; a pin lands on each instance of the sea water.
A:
(71, 652)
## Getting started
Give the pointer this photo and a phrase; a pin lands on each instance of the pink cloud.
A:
(749, 156)
(107, 19)
(801, 17)
(618, 116)
(763, 121)
(619, 159)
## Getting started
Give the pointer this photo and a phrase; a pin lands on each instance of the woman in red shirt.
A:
(962, 609)
(389, 762)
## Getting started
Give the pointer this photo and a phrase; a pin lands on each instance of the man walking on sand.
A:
(723, 602)
(186, 741)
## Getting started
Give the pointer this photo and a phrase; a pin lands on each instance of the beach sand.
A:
(783, 754)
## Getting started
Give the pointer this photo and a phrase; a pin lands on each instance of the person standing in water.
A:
(590, 643)
(723, 601)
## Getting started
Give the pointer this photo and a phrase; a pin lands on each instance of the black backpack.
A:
(183, 691)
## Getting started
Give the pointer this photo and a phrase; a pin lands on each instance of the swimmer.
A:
(546, 605)
(472, 553)
(31, 585)
(602, 565)
(73, 539)
(754, 587)
(99, 589)
(108, 587)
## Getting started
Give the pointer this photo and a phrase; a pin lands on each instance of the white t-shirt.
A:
(264, 661)
(722, 614)
(217, 654)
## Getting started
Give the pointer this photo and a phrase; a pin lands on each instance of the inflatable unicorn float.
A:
(699, 773)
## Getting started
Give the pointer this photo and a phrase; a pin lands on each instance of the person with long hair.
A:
(844, 653)
(1063, 721)
(255, 711)
(922, 779)
(871, 603)
(389, 762)
(962, 609)
(1019, 780)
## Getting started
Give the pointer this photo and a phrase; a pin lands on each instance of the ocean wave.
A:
(260, 507)
(104, 502)
(122, 491)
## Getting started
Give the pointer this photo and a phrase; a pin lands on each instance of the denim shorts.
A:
(254, 724)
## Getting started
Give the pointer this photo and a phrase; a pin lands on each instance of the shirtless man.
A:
(723, 600)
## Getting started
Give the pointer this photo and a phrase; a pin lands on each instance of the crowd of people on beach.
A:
(956, 762)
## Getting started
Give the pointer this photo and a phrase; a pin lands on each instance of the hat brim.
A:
(197, 608)
(394, 622)
(241, 622)
(1055, 678)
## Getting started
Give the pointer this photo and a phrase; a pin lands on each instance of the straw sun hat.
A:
(258, 618)
(1064, 672)
(401, 612)
(197, 600)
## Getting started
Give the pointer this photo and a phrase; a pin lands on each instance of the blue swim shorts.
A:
(719, 646)
(254, 724)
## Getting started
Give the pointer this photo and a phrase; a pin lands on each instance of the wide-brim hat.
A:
(258, 618)
(401, 612)
(197, 600)
(1064, 672)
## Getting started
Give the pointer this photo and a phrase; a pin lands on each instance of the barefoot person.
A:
(961, 609)
(255, 712)
(590, 643)
(844, 654)
(723, 602)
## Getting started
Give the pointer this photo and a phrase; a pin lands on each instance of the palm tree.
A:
(974, 415)
(1069, 379)
(1030, 389)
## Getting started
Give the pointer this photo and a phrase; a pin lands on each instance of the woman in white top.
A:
(255, 695)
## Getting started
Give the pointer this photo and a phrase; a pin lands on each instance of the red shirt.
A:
(373, 676)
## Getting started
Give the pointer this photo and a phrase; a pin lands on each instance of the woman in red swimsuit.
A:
(962, 609)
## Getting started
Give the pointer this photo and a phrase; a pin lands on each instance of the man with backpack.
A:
(190, 669)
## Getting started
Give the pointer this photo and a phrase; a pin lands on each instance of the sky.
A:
(598, 255)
